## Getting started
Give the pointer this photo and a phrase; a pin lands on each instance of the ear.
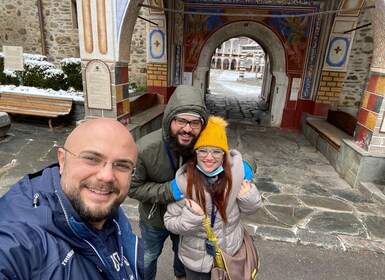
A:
(61, 159)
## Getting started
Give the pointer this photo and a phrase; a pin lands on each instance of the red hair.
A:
(197, 183)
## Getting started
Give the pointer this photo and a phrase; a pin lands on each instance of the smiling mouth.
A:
(209, 164)
(185, 135)
(99, 191)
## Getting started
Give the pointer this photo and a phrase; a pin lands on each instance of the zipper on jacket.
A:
(67, 220)
(35, 202)
(152, 211)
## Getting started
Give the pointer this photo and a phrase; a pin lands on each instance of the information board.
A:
(13, 58)
(98, 85)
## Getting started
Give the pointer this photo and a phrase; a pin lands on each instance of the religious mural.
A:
(298, 33)
(295, 32)
(198, 27)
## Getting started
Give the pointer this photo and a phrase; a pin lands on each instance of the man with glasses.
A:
(64, 222)
(161, 153)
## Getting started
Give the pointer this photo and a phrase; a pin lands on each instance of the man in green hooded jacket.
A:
(161, 153)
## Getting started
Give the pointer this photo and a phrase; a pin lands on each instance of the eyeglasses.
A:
(94, 160)
(215, 153)
(195, 124)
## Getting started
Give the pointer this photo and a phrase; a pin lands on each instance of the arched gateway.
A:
(276, 80)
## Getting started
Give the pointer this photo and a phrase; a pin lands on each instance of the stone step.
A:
(373, 191)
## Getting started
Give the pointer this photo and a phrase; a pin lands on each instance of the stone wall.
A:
(359, 64)
(19, 26)
(377, 19)
(137, 68)
(370, 131)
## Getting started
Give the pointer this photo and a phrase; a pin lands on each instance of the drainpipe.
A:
(41, 23)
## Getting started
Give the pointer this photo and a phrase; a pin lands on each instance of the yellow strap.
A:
(211, 236)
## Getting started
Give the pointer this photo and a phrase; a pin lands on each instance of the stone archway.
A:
(272, 47)
(128, 19)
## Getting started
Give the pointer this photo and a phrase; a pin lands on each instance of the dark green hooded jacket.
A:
(151, 185)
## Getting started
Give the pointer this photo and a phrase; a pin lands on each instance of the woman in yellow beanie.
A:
(215, 182)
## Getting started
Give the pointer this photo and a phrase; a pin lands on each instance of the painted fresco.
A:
(197, 30)
(293, 31)
(299, 34)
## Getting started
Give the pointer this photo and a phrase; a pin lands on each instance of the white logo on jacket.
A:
(67, 258)
(116, 260)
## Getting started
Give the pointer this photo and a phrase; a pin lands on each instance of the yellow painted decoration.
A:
(371, 120)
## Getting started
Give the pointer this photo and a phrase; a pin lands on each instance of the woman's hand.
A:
(245, 187)
(194, 207)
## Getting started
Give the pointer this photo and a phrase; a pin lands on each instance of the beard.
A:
(183, 149)
(88, 214)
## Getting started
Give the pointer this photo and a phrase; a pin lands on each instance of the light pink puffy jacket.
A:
(180, 220)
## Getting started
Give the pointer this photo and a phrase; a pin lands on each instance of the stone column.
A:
(242, 61)
(105, 76)
(231, 47)
(370, 130)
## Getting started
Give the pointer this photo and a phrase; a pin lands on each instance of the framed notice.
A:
(13, 58)
(187, 78)
(98, 83)
(295, 87)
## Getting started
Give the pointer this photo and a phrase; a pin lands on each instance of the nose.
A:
(209, 155)
(106, 172)
(187, 127)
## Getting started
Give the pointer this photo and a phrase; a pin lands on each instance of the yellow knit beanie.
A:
(214, 134)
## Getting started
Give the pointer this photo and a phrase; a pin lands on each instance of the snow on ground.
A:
(75, 95)
(227, 82)
(221, 82)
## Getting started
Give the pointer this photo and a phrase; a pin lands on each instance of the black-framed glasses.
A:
(181, 122)
(215, 153)
(94, 160)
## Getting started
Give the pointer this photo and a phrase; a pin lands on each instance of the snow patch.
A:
(71, 93)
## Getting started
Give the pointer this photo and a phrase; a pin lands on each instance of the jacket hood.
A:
(184, 99)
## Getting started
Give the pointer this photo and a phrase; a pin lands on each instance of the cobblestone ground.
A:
(237, 100)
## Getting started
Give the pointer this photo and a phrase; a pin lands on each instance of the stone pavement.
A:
(248, 109)
(305, 200)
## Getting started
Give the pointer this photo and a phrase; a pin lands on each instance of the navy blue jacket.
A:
(42, 237)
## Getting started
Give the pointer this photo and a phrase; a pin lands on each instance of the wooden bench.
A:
(35, 105)
(337, 126)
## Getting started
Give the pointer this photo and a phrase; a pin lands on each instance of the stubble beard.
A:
(86, 213)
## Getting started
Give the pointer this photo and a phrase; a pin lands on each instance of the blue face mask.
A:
(211, 174)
